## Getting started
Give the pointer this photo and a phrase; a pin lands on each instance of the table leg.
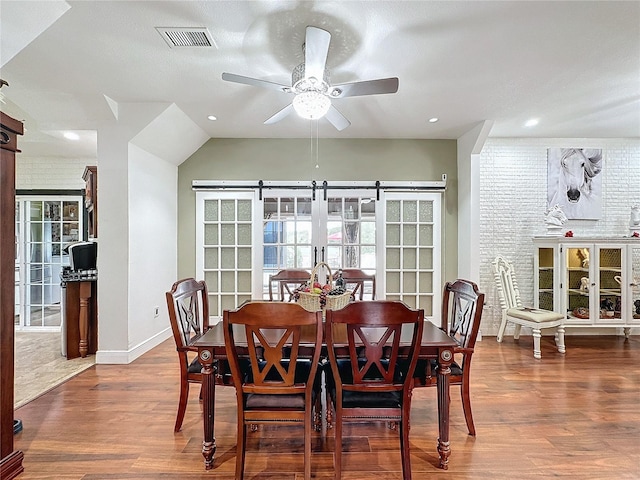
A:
(208, 406)
(444, 372)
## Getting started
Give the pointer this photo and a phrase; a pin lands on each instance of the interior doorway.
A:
(45, 226)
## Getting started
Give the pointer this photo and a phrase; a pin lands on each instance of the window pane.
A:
(228, 212)
(210, 210)
(393, 211)
(244, 210)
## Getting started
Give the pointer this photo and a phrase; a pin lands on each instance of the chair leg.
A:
(182, 403)
(337, 451)
(537, 353)
(405, 451)
(329, 414)
(241, 441)
(466, 404)
(307, 444)
(516, 332)
(317, 412)
(560, 339)
(503, 326)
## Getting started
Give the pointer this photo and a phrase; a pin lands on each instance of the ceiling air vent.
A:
(186, 37)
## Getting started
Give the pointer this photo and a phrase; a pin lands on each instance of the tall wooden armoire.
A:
(10, 459)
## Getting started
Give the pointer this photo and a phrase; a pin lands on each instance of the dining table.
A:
(435, 344)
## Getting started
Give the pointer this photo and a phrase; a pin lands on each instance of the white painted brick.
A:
(51, 174)
(513, 196)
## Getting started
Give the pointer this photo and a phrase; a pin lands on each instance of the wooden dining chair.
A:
(286, 281)
(188, 306)
(372, 374)
(514, 312)
(277, 386)
(356, 280)
(461, 315)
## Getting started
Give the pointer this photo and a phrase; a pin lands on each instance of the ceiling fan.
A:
(311, 87)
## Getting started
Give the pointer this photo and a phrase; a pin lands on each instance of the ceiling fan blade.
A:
(337, 119)
(316, 48)
(279, 115)
(367, 87)
(232, 77)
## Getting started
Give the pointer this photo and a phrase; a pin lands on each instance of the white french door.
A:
(45, 225)
(241, 239)
(412, 250)
(300, 230)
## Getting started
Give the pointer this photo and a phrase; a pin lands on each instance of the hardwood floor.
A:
(574, 417)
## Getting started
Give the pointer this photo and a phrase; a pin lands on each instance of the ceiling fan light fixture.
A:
(311, 104)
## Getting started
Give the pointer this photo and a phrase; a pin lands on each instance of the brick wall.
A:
(513, 199)
(51, 174)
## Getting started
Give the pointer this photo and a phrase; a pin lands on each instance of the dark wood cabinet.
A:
(90, 177)
(10, 459)
(81, 318)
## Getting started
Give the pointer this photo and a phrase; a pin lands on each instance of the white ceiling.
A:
(573, 65)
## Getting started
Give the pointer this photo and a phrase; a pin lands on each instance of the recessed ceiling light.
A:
(531, 122)
(433, 120)
(71, 136)
(212, 117)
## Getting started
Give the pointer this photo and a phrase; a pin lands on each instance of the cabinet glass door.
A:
(579, 283)
(546, 282)
(610, 278)
(634, 283)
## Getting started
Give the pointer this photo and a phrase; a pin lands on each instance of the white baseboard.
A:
(124, 357)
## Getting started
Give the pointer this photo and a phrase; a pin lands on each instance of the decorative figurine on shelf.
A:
(606, 308)
(555, 218)
(583, 255)
(634, 221)
(584, 284)
(637, 304)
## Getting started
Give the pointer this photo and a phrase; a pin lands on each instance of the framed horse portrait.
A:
(574, 182)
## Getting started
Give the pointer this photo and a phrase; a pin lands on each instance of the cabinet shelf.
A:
(610, 291)
(573, 291)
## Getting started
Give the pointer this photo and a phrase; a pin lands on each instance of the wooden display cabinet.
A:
(90, 177)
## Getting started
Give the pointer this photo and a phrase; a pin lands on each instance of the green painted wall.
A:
(338, 159)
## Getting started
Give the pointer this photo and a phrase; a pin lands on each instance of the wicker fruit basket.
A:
(316, 302)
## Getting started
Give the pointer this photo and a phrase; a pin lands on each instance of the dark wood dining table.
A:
(435, 344)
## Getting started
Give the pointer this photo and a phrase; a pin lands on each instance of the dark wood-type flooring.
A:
(573, 417)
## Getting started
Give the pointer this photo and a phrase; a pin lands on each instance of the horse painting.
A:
(574, 181)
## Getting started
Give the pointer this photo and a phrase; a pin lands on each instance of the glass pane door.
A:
(579, 281)
(349, 231)
(412, 258)
(46, 226)
(300, 231)
(398, 241)
(225, 250)
(288, 230)
(609, 291)
(634, 283)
